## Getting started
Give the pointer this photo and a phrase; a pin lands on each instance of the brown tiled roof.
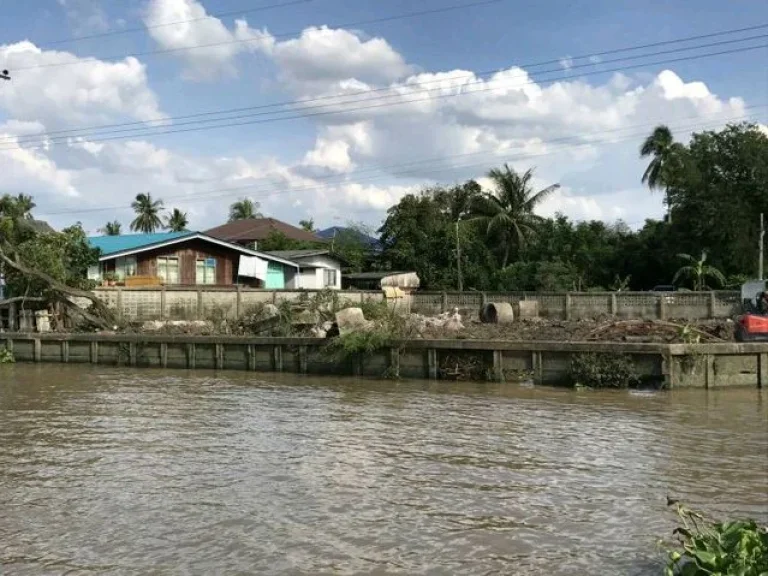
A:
(257, 229)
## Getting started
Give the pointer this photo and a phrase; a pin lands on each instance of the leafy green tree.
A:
(177, 221)
(111, 228)
(308, 225)
(508, 211)
(350, 244)
(698, 271)
(244, 209)
(65, 256)
(278, 241)
(719, 196)
(419, 234)
(147, 211)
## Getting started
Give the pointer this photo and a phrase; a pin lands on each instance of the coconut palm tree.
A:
(111, 228)
(697, 270)
(507, 211)
(667, 157)
(177, 221)
(244, 209)
(147, 214)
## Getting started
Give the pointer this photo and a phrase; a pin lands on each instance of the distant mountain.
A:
(334, 231)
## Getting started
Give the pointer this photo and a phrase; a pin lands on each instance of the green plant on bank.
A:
(706, 548)
(389, 327)
(687, 335)
(6, 356)
(591, 370)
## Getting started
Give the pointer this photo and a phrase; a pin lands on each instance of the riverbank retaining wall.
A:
(671, 365)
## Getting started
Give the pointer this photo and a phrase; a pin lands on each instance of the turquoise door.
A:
(275, 276)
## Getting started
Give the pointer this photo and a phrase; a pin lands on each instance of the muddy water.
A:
(107, 471)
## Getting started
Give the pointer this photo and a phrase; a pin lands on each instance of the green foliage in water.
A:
(6, 356)
(603, 371)
(705, 548)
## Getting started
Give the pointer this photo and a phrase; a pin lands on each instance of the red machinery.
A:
(752, 326)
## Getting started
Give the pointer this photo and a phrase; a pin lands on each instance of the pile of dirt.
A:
(606, 330)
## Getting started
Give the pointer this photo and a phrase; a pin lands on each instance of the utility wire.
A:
(215, 15)
(407, 168)
(247, 40)
(336, 97)
(398, 103)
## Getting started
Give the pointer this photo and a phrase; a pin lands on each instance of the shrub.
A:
(6, 356)
(736, 548)
(603, 371)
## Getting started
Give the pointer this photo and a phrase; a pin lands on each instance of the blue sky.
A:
(577, 126)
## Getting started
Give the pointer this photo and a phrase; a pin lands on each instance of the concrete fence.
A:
(152, 303)
(189, 303)
(581, 305)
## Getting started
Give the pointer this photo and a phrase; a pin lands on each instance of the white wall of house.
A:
(317, 270)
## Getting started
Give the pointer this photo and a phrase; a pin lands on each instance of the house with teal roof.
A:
(188, 259)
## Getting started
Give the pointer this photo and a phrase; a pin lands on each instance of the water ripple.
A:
(136, 472)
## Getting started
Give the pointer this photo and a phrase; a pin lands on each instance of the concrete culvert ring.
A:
(497, 313)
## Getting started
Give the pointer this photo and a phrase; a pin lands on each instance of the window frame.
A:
(162, 265)
(209, 266)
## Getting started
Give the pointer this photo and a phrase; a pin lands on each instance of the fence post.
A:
(614, 304)
(568, 303)
(13, 318)
(162, 303)
(662, 307)
(444, 303)
(712, 304)
(199, 303)
(238, 303)
(120, 302)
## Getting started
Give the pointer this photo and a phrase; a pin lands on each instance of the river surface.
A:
(119, 471)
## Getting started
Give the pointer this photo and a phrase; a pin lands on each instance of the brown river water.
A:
(119, 471)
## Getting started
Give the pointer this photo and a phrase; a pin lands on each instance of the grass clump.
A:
(706, 548)
(591, 370)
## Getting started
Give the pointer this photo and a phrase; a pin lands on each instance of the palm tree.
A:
(667, 158)
(111, 228)
(177, 221)
(698, 271)
(25, 205)
(18, 207)
(147, 214)
(507, 211)
(244, 209)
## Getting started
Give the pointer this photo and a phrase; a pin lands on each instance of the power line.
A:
(389, 104)
(216, 15)
(247, 40)
(408, 166)
(286, 103)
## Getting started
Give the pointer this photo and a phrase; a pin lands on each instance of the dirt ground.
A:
(608, 330)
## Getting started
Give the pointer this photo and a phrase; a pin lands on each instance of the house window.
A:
(125, 266)
(329, 278)
(206, 271)
(168, 269)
